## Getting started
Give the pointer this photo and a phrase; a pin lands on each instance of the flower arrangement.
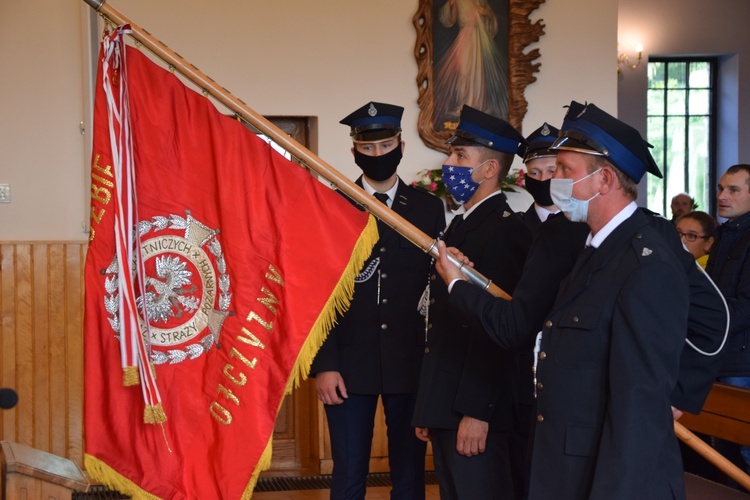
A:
(514, 179)
(432, 181)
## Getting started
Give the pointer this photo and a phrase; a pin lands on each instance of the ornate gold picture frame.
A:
(465, 37)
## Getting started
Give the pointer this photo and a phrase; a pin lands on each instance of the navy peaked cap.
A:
(476, 128)
(374, 121)
(538, 143)
(587, 129)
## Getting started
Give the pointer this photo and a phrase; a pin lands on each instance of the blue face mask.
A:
(458, 181)
(561, 192)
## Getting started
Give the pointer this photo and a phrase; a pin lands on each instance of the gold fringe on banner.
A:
(100, 471)
(263, 464)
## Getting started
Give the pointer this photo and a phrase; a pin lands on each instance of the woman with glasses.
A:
(696, 230)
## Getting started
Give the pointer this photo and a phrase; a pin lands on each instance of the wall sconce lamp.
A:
(625, 59)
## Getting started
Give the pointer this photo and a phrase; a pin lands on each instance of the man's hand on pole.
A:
(447, 270)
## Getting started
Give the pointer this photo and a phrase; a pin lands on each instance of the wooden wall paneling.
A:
(40, 352)
(23, 356)
(8, 332)
(75, 257)
(56, 341)
(56, 346)
(41, 302)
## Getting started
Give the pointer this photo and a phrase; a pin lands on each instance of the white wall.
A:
(41, 108)
(282, 57)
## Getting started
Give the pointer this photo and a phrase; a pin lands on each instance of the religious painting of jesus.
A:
(472, 52)
(471, 59)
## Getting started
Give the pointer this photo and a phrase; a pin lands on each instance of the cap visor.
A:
(570, 144)
(461, 141)
(375, 135)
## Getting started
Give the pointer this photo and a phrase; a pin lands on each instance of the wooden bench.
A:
(725, 415)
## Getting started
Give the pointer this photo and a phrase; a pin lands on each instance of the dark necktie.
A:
(457, 220)
(382, 197)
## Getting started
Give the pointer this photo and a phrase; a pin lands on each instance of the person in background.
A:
(375, 350)
(467, 401)
(540, 167)
(697, 229)
(681, 204)
(729, 266)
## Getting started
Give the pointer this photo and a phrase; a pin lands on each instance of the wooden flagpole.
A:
(340, 182)
(713, 456)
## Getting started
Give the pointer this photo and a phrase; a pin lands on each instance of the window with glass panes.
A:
(681, 125)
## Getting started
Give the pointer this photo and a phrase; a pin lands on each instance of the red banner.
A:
(245, 259)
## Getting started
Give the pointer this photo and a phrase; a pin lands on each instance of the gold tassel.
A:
(154, 414)
(130, 376)
(159, 416)
(148, 415)
(103, 473)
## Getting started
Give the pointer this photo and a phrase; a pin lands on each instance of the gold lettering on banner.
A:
(230, 371)
(269, 301)
(274, 275)
(227, 393)
(268, 325)
(220, 414)
(100, 191)
(97, 217)
(102, 180)
(251, 339)
(106, 170)
(242, 380)
(100, 194)
(234, 353)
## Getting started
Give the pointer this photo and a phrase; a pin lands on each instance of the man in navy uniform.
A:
(467, 402)
(609, 354)
(539, 160)
(375, 349)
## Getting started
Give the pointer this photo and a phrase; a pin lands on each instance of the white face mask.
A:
(561, 192)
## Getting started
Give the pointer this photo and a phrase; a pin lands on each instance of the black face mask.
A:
(379, 168)
(539, 190)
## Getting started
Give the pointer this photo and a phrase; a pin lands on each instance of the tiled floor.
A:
(377, 493)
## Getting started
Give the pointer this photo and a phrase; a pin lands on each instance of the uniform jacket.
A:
(377, 344)
(608, 363)
(463, 371)
(729, 266)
